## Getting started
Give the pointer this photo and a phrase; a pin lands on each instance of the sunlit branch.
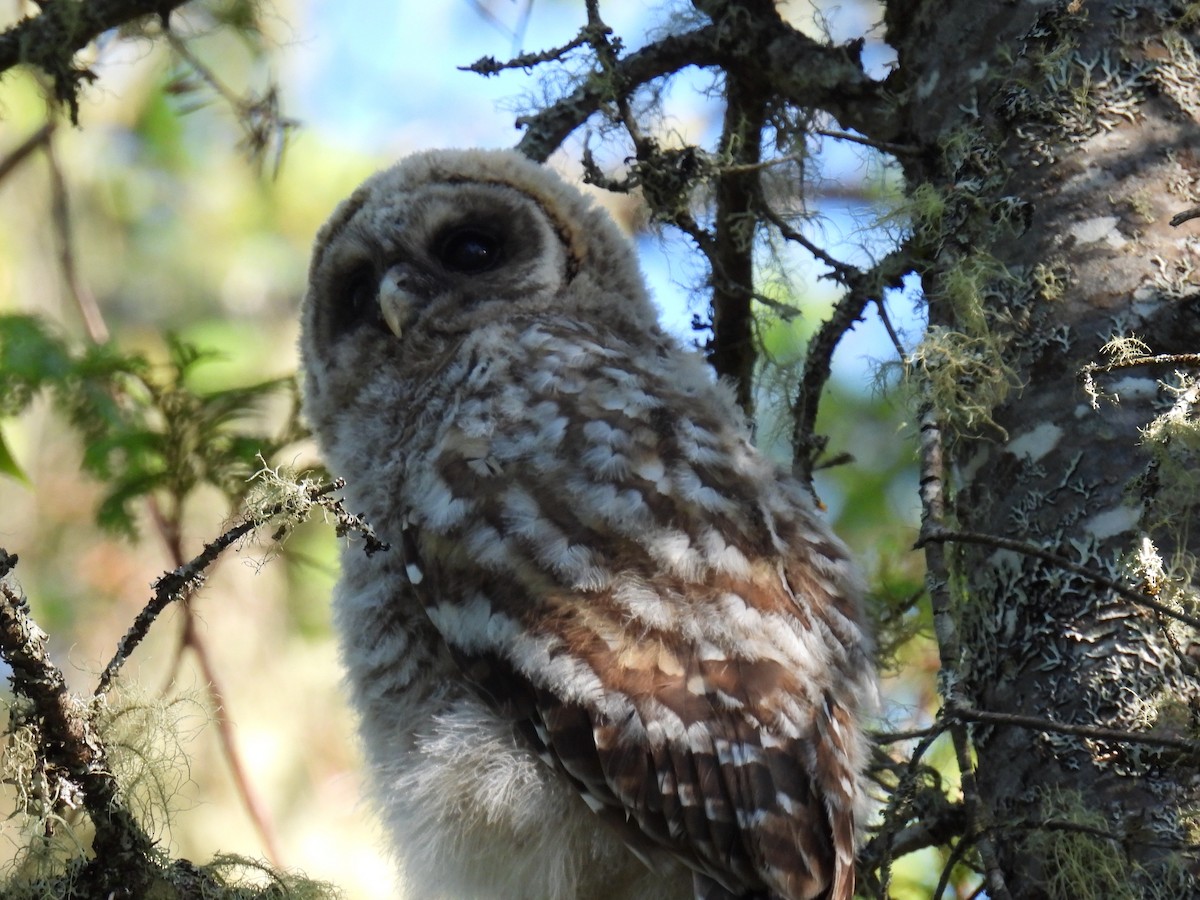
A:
(800, 70)
(945, 626)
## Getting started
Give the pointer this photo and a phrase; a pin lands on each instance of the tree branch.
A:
(1185, 216)
(184, 580)
(50, 40)
(940, 535)
(732, 350)
(862, 287)
(800, 70)
(25, 148)
(933, 513)
(1034, 723)
(68, 742)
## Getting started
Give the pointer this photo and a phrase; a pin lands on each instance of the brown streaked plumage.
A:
(613, 651)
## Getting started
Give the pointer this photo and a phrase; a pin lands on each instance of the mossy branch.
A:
(181, 583)
(50, 40)
(69, 745)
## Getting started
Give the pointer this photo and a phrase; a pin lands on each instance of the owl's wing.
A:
(617, 570)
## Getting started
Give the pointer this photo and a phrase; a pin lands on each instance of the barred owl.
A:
(611, 651)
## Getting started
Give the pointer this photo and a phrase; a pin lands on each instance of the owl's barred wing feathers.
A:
(617, 570)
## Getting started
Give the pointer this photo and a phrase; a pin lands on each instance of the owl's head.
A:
(449, 241)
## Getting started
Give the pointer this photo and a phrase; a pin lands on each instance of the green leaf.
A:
(8, 464)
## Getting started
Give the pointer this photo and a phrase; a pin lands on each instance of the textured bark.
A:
(1062, 140)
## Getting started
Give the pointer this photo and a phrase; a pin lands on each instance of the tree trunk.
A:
(1056, 144)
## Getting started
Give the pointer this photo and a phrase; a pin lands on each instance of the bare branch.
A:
(933, 513)
(800, 70)
(940, 535)
(1117, 735)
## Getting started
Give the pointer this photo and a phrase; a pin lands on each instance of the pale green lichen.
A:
(1173, 441)
(968, 376)
(1078, 861)
(1050, 280)
(144, 743)
(1083, 854)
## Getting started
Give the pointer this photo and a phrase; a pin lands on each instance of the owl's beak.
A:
(396, 303)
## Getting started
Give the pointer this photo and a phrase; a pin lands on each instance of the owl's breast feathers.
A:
(660, 612)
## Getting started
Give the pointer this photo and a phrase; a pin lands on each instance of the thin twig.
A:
(60, 215)
(957, 852)
(1035, 723)
(25, 148)
(256, 808)
(933, 505)
(263, 124)
(893, 737)
(171, 587)
(861, 288)
(489, 65)
(885, 146)
(942, 535)
(184, 580)
(843, 272)
(892, 333)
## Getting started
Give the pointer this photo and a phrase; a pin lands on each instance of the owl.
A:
(611, 650)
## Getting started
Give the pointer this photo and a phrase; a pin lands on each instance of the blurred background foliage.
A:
(151, 265)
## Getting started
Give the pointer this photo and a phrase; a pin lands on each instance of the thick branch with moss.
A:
(50, 40)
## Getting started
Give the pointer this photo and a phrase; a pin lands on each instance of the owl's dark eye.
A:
(470, 250)
(359, 302)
